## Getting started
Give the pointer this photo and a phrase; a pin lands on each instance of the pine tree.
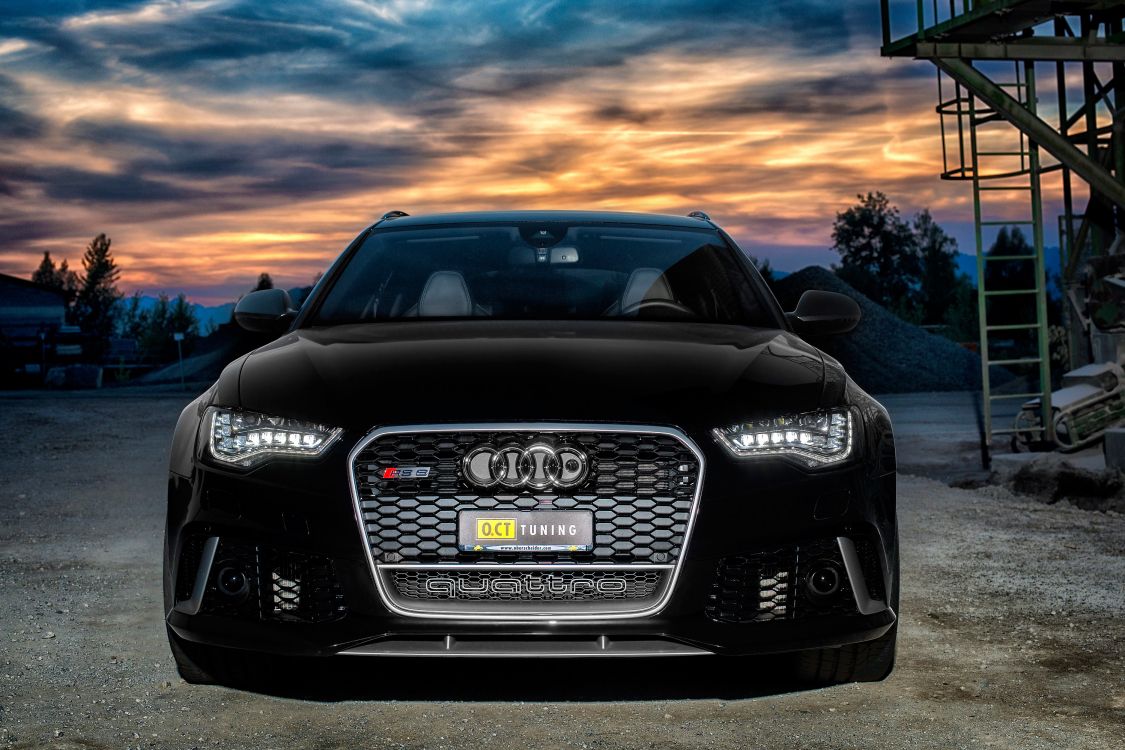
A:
(96, 306)
(61, 278)
(67, 280)
(46, 274)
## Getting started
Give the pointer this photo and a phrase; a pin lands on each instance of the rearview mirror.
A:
(265, 311)
(824, 314)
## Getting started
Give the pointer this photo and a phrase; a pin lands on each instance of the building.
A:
(31, 316)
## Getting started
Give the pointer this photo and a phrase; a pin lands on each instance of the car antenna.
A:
(699, 215)
(393, 215)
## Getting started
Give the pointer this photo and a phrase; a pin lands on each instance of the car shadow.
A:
(533, 680)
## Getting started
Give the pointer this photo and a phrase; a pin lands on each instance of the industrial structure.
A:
(1031, 96)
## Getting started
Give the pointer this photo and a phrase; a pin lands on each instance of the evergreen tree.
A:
(264, 282)
(46, 274)
(67, 281)
(96, 305)
(58, 278)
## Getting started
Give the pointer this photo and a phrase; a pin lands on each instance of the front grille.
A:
(282, 585)
(640, 488)
(769, 585)
(526, 586)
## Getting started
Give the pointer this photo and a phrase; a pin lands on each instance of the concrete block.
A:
(74, 376)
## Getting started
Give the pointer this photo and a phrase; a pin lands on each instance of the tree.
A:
(938, 283)
(96, 305)
(152, 329)
(264, 282)
(59, 278)
(46, 274)
(1010, 275)
(182, 319)
(764, 269)
(879, 253)
(962, 318)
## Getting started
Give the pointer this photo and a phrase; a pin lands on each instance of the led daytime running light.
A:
(246, 438)
(817, 438)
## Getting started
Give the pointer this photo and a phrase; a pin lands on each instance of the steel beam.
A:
(1035, 128)
(1049, 49)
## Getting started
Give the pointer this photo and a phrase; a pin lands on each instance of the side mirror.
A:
(265, 311)
(824, 314)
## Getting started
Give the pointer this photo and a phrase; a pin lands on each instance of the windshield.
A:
(544, 271)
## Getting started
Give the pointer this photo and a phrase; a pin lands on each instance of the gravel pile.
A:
(885, 354)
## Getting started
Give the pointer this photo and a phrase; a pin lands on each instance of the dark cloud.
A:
(343, 50)
(171, 153)
(67, 184)
(17, 124)
(28, 230)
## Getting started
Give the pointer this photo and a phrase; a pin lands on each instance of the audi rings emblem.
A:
(537, 466)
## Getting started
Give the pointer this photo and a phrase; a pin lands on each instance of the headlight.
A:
(817, 438)
(246, 438)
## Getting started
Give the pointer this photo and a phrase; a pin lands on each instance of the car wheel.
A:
(871, 661)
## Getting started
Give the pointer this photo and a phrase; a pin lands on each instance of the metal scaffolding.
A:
(1003, 128)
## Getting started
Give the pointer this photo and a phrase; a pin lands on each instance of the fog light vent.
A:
(286, 593)
(773, 595)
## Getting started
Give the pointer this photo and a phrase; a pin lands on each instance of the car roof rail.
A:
(393, 215)
(699, 215)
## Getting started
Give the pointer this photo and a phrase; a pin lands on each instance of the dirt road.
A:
(1013, 632)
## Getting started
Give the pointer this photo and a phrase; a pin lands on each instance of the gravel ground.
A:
(1012, 632)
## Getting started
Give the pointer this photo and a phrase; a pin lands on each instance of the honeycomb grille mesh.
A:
(768, 585)
(281, 584)
(754, 588)
(301, 587)
(514, 586)
(640, 489)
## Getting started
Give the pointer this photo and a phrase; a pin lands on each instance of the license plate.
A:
(526, 531)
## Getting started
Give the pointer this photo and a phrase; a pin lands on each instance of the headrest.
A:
(445, 295)
(646, 283)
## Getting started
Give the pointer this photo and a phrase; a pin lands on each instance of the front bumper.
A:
(303, 512)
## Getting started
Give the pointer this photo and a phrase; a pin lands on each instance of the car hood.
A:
(423, 372)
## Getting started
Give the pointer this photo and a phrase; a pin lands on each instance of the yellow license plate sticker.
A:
(496, 528)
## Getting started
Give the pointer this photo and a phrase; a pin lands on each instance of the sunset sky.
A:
(213, 140)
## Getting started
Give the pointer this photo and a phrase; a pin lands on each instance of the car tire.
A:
(209, 665)
(871, 661)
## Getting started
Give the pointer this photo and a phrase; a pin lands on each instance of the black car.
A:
(535, 434)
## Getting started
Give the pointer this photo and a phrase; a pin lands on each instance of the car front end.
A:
(471, 483)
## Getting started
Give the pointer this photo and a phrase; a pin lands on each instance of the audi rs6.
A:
(535, 434)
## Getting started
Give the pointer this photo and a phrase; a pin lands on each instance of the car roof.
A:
(569, 217)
